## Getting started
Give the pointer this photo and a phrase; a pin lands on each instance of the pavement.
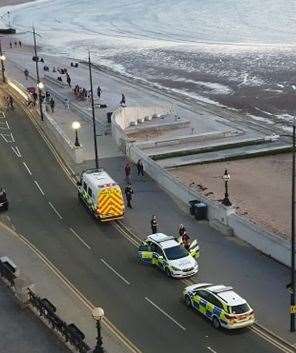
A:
(48, 221)
(21, 331)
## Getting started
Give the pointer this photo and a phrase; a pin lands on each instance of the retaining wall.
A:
(220, 217)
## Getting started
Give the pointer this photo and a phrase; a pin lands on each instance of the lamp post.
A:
(226, 178)
(76, 126)
(98, 314)
(36, 59)
(93, 113)
(2, 59)
(292, 314)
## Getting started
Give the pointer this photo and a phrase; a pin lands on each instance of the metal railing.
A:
(69, 332)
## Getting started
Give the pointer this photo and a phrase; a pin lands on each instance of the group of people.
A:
(183, 235)
(81, 93)
(128, 189)
(16, 44)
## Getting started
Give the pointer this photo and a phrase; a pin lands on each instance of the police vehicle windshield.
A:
(175, 252)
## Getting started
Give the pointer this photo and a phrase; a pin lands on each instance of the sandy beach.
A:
(260, 188)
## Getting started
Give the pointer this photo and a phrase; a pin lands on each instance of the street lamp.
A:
(226, 178)
(93, 113)
(40, 85)
(98, 314)
(2, 59)
(76, 126)
(36, 59)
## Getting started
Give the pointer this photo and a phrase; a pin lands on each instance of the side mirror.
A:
(160, 257)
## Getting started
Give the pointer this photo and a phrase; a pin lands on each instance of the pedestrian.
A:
(15, 44)
(20, 44)
(52, 104)
(186, 240)
(26, 72)
(140, 167)
(10, 102)
(182, 230)
(67, 104)
(123, 101)
(129, 195)
(35, 96)
(68, 80)
(99, 91)
(127, 170)
(153, 224)
(10, 44)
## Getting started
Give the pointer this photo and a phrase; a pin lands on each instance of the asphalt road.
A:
(144, 304)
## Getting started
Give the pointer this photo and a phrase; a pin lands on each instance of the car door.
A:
(194, 249)
(145, 253)
(157, 256)
(200, 301)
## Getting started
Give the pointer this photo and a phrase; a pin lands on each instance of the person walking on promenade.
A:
(67, 104)
(99, 92)
(52, 104)
(153, 224)
(68, 80)
(10, 102)
(123, 101)
(20, 44)
(10, 44)
(140, 167)
(26, 72)
(129, 195)
(127, 170)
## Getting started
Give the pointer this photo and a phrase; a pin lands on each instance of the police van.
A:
(101, 194)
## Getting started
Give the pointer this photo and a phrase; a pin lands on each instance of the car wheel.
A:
(187, 301)
(168, 272)
(216, 323)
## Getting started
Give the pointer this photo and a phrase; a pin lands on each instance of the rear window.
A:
(240, 309)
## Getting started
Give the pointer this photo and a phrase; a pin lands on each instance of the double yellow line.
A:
(106, 322)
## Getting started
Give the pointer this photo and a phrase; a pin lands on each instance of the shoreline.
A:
(5, 3)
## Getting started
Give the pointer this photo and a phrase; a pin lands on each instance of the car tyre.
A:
(187, 301)
(216, 323)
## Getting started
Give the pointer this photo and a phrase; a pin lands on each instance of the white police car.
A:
(220, 304)
(169, 255)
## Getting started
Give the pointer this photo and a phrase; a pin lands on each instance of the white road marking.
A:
(28, 170)
(77, 236)
(8, 138)
(211, 350)
(114, 271)
(38, 186)
(4, 125)
(55, 210)
(166, 314)
(16, 151)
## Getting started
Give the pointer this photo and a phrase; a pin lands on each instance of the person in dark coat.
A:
(123, 102)
(127, 170)
(52, 104)
(69, 80)
(153, 224)
(140, 167)
(129, 195)
(186, 240)
(182, 230)
(99, 91)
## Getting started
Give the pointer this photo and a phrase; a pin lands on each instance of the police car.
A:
(220, 304)
(169, 255)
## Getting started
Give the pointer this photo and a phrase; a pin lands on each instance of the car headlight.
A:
(175, 268)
